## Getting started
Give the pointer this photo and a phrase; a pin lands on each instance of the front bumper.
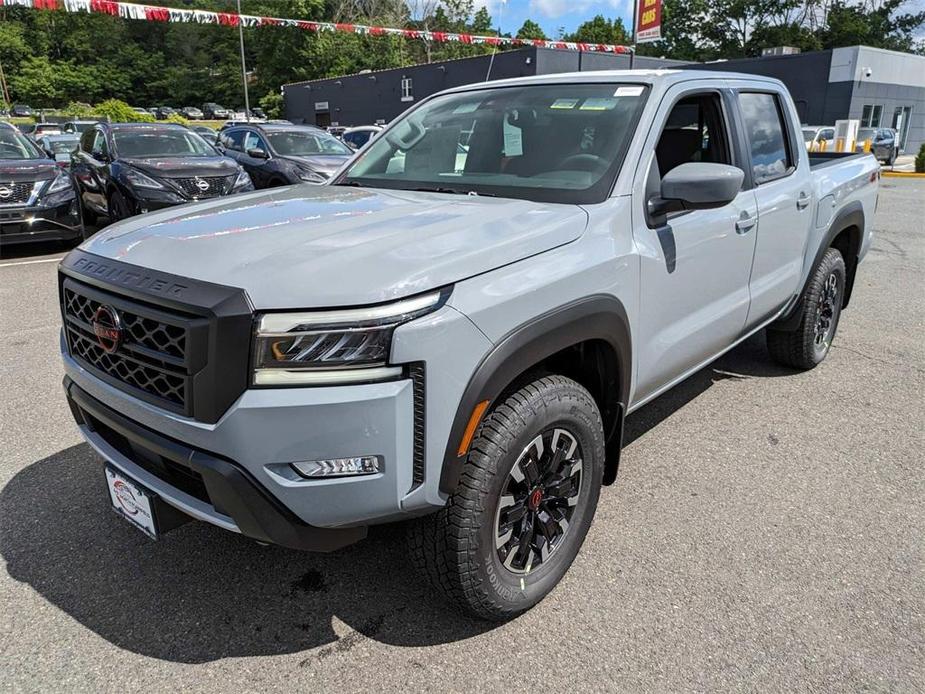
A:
(56, 223)
(198, 483)
(266, 429)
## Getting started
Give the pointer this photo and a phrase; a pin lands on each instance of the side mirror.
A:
(257, 153)
(697, 186)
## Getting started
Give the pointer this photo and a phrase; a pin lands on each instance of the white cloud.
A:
(556, 8)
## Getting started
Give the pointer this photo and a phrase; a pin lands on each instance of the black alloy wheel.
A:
(538, 501)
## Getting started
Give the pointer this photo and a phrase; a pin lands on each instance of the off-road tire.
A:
(799, 347)
(455, 548)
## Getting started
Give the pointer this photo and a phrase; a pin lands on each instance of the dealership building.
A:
(879, 88)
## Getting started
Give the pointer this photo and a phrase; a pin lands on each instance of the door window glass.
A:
(767, 136)
(232, 140)
(253, 141)
(100, 147)
(694, 132)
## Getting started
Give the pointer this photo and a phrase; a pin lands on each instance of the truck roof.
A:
(665, 78)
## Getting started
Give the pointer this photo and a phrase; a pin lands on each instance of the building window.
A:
(870, 116)
(406, 94)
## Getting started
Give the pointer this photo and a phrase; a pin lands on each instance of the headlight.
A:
(337, 346)
(311, 176)
(61, 182)
(140, 180)
(242, 182)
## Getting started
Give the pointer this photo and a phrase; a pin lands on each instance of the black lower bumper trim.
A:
(229, 488)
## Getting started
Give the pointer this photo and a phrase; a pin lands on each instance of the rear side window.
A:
(767, 136)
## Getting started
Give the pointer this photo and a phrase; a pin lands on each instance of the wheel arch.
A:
(845, 233)
(587, 340)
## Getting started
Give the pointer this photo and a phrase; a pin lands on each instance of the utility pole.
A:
(633, 34)
(247, 103)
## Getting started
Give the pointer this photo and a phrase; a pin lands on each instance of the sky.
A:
(553, 14)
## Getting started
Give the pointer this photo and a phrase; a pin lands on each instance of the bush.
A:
(120, 112)
(177, 118)
(272, 105)
(78, 110)
(920, 160)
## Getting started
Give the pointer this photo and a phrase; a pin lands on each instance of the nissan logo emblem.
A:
(5, 192)
(202, 184)
(108, 329)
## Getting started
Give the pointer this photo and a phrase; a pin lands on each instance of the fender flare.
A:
(851, 215)
(597, 317)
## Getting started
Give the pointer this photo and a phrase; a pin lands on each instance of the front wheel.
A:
(809, 342)
(526, 497)
(119, 207)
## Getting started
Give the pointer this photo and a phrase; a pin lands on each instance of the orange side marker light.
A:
(473, 424)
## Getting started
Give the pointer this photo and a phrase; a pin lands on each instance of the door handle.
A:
(745, 223)
(802, 201)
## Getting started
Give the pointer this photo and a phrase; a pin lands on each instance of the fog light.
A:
(339, 467)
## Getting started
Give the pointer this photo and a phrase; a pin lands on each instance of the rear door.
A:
(694, 265)
(783, 191)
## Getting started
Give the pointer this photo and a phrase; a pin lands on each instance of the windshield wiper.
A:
(455, 191)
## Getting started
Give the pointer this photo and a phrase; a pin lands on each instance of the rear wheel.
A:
(809, 342)
(526, 497)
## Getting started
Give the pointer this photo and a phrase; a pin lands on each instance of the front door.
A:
(695, 265)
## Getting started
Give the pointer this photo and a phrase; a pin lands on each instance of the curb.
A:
(901, 174)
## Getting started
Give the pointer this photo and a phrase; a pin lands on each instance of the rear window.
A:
(767, 135)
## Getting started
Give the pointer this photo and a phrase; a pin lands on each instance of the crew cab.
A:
(457, 343)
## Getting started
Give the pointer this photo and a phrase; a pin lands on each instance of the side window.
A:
(100, 148)
(828, 134)
(767, 136)
(86, 140)
(232, 139)
(253, 141)
(695, 131)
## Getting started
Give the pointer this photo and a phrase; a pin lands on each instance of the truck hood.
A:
(323, 246)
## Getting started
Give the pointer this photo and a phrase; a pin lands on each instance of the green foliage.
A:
(120, 112)
(601, 30)
(920, 160)
(78, 110)
(175, 118)
(530, 30)
(272, 104)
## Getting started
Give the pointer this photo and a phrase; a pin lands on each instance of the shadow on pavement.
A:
(201, 594)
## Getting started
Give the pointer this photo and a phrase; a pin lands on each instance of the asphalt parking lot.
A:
(766, 532)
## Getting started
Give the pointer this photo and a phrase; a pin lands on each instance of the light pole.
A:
(247, 103)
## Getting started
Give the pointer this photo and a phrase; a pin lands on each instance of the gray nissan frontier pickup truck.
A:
(452, 329)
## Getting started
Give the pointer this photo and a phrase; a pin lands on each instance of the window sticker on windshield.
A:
(564, 103)
(598, 105)
(468, 107)
(628, 91)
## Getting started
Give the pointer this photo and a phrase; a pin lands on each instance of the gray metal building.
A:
(878, 87)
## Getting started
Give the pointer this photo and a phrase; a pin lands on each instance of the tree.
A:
(601, 30)
(530, 30)
(481, 23)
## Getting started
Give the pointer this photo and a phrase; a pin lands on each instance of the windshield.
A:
(550, 143)
(294, 143)
(153, 142)
(867, 134)
(14, 145)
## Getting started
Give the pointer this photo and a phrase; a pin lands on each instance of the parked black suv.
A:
(279, 155)
(214, 111)
(37, 199)
(123, 169)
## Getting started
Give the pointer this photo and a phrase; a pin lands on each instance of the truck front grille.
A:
(151, 357)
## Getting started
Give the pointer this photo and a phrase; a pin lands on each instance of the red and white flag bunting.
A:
(154, 13)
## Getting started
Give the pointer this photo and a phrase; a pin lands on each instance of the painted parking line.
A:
(32, 262)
